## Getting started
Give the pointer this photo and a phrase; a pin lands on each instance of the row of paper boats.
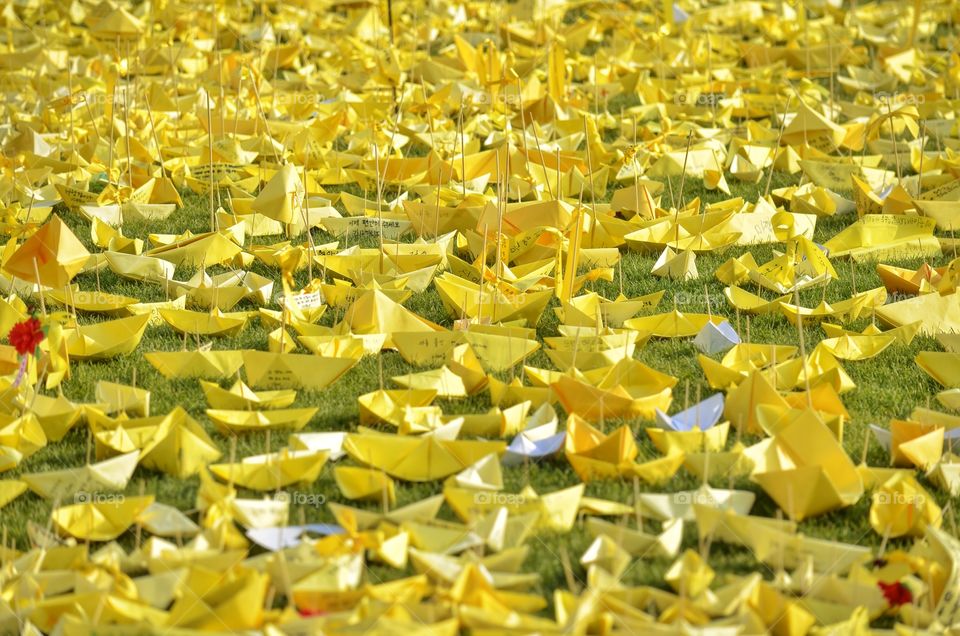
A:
(804, 469)
(204, 580)
(428, 446)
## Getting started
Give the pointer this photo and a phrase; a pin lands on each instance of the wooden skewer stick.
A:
(636, 503)
(213, 210)
(923, 133)
(463, 152)
(803, 354)
(776, 147)
(893, 136)
(36, 273)
(568, 571)
(543, 164)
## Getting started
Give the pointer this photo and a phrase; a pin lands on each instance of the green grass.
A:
(888, 386)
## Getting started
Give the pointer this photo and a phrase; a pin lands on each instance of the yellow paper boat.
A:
(365, 484)
(557, 510)
(595, 455)
(856, 347)
(173, 443)
(272, 471)
(845, 310)
(122, 398)
(202, 250)
(667, 442)
(749, 303)
(944, 367)
(143, 269)
(582, 310)
(78, 483)
(672, 324)
(592, 351)
(286, 370)
(423, 511)
(676, 266)
(20, 438)
(422, 348)
(627, 389)
(938, 314)
(52, 256)
(640, 543)
(106, 339)
(696, 232)
(903, 334)
(91, 301)
(392, 406)
(909, 281)
(950, 398)
(209, 365)
(499, 351)
(345, 346)
(776, 541)
(806, 471)
(215, 323)
(57, 415)
(99, 520)
(241, 397)
(464, 298)
(443, 382)
(886, 236)
(901, 507)
(417, 458)
(374, 312)
(228, 421)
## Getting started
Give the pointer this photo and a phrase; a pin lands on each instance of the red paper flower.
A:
(26, 336)
(896, 593)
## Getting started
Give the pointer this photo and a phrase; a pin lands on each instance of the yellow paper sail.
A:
(282, 196)
(51, 257)
(805, 470)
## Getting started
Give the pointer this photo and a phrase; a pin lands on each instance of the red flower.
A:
(26, 336)
(896, 593)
